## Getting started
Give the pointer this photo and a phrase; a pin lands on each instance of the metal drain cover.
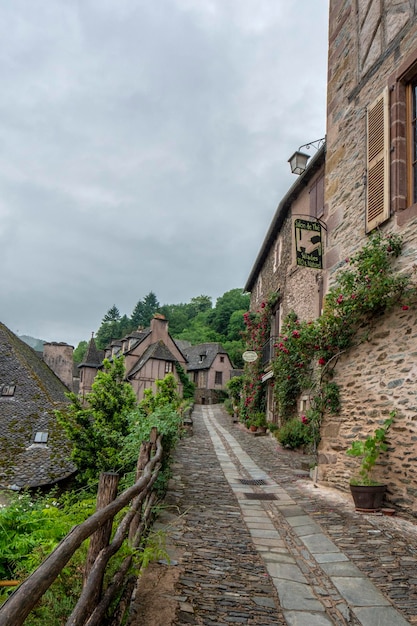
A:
(260, 496)
(252, 481)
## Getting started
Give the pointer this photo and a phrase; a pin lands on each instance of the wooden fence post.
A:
(106, 493)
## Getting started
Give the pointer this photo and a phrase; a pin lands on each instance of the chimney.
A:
(159, 328)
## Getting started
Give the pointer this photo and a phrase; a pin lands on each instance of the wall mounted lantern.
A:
(298, 161)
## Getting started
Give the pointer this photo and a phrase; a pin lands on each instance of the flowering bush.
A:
(365, 288)
(257, 330)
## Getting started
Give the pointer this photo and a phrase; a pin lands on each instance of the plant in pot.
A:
(260, 422)
(257, 421)
(367, 493)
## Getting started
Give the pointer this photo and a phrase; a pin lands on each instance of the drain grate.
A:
(252, 481)
(260, 496)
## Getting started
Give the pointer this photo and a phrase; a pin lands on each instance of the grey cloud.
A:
(144, 147)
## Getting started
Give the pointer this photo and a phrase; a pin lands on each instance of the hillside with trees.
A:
(197, 321)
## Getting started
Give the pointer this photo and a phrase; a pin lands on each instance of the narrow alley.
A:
(252, 541)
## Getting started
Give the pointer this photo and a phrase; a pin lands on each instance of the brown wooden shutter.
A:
(377, 201)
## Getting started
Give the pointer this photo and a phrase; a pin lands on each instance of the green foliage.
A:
(188, 387)
(231, 301)
(364, 289)
(112, 315)
(234, 388)
(369, 450)
(96, 427)
(31, 527)
(80, 352)
(258, 326)
(145, 310)
(197, 321)
(294, 434)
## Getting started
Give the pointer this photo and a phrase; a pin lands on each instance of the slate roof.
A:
(156, 350)
(93, 356)
(281, 213)
(201, 357)
(37, 392)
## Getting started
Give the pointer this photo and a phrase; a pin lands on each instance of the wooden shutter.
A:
(377, 200)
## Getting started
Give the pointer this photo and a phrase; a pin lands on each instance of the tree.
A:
(236, 325)
(98, 428)
(228, 303)
(145, 310)
(199, 304)
(80, 352)
(107, 332)
(112, 315)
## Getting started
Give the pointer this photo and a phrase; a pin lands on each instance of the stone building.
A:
(34, 451)
(370, 183)
(210, 368)
(277, 269)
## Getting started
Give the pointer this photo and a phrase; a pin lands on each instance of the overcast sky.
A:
(144, 147)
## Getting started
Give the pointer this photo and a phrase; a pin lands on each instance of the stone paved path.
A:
(258, 544)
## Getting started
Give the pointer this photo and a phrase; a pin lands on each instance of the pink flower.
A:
(353, 296)
(339, 299)
(263, 305)
(295, 333)
(405, 307)
(322, 360)
(304, 419)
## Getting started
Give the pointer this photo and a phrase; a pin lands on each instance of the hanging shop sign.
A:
(308, 244)
(249, 356)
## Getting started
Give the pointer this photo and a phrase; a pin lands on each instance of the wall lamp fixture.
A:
(298, 161)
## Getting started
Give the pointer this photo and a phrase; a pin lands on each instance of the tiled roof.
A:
(93, 356)
(37, 392)
(201, 357)
(156, 350)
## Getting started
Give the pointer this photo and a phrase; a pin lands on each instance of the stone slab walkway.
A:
(256, 543)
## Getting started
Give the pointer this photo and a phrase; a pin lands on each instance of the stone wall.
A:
(299, 286)
(368, 42)
(377, 376)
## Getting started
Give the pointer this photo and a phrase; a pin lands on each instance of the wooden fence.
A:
(94, 601)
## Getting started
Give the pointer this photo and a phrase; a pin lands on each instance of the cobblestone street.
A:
(253, 541)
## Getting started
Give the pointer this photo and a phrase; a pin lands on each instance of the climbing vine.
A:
(307, 352)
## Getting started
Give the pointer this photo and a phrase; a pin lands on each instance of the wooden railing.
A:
(94, 601)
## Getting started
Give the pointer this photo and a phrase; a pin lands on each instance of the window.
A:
(195, 377)
(7, 390)
(411, 91)
(222, 359)
(259, 288)
(316, 195)
(218, 380)
(377, 158)
(168, 367)
(277, 253)
(276, 320)
(41, 437)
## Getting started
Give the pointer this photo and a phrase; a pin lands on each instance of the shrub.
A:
(294, 434)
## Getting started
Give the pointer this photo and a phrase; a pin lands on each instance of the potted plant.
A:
(367, 493)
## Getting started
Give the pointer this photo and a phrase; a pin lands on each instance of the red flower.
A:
(295, 333)
(304, 419)
(322, 361)
(405, 307)
(339, 299)
(263, 305)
